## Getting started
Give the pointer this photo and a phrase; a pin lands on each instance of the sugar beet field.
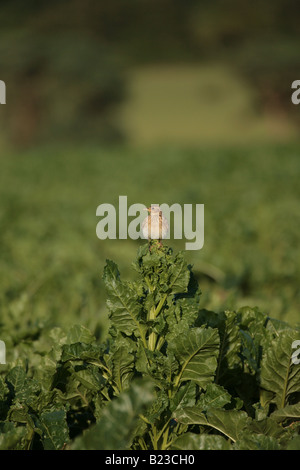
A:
(110, 345)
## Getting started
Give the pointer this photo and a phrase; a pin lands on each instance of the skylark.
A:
(155, 226)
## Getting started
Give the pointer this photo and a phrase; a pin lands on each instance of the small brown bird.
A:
(155, 226)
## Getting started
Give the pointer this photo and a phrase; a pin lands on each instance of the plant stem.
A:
(142, 443)
(160, 342)
(30, 439)
(148, 283)
(153, 313)
(163, 429)
(152, 336)
(165, 439)
(160, 305)
(153, 437)
(144, 419)
(152, 341)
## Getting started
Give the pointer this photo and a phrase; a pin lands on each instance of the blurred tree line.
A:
(65, 61)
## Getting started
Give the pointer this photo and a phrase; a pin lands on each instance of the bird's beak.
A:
(148, 209)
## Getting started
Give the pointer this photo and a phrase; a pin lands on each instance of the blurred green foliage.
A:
(60, 87)
(52, 261)
(65, 61)
(198, 105)
(65, 66)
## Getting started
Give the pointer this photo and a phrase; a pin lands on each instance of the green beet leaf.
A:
(122, 302)
(279, 375)
(169, 375)
(55, 433)
(229, 422)
(191, 441)
(197, 352)
(116, 426)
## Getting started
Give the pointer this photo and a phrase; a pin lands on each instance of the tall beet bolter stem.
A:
(155, 226)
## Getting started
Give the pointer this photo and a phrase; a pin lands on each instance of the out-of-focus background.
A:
(162, 101)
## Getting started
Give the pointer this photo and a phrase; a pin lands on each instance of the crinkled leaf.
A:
(23, 388)
(255, 335)
(3, 389)
(267, 427)
(122, 369)
(55, 434)
(185, 396)
(179, 275)
(276, 326)
(157, 366)
(115, 428)
(215, 396)
(82, 351)
(165, 271)
(288, 412)
(11, 436)
(45, 373)
(230, 345)
(90, 378)
(191, 441)
(197, 353)
(278, 373)
(256, 442)
(229, 422)
(180, 316)
(80, 334)
(159, 405)
(19, 413)
(16, 379)
(122, 302)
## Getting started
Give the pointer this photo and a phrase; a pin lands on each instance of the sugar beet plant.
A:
(170, 375)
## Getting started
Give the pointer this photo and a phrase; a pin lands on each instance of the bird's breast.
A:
(155, 228)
